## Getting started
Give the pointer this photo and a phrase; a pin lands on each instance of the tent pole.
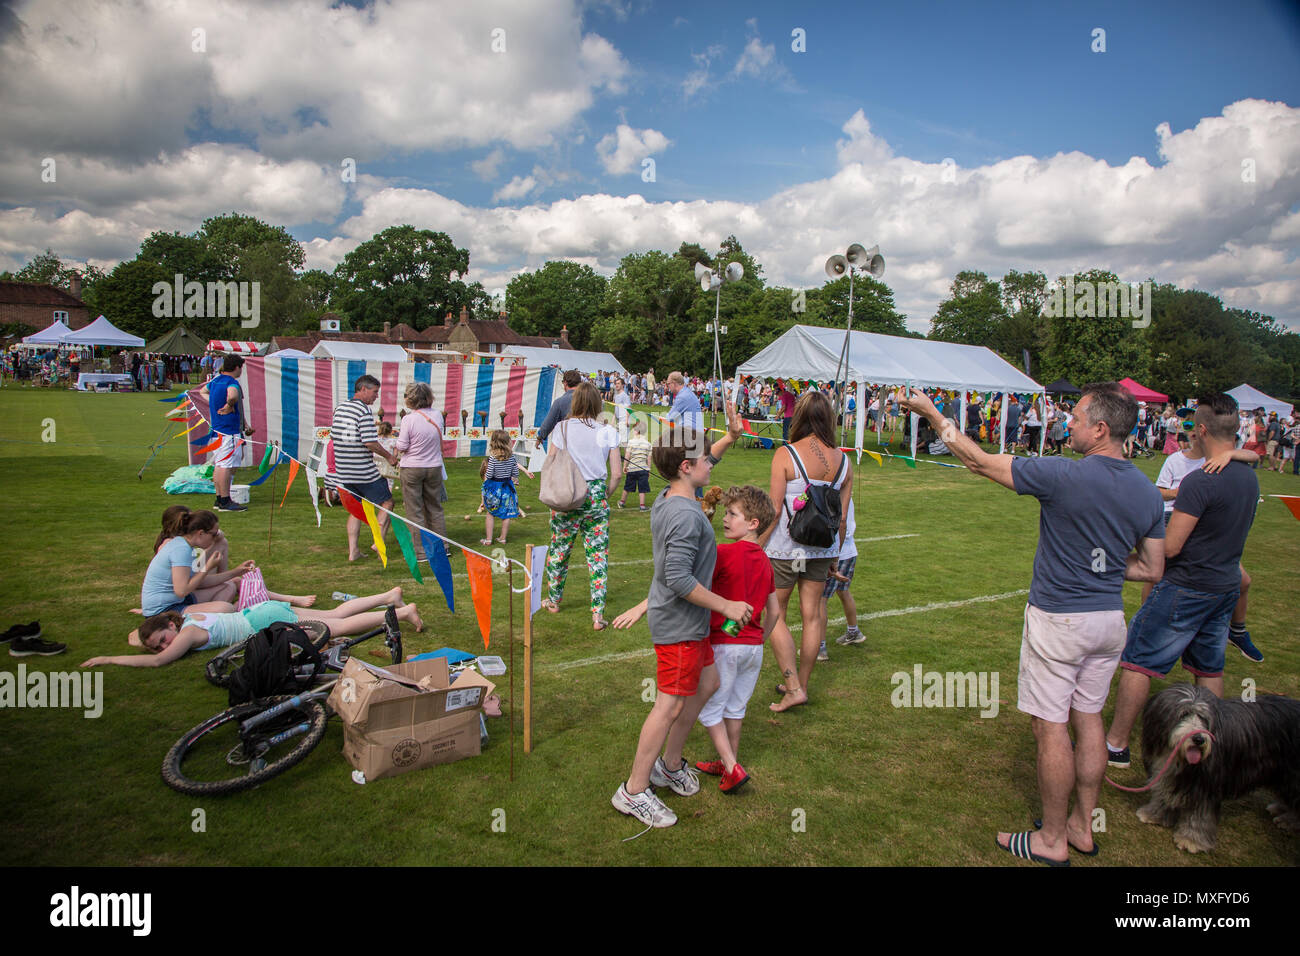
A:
(1002, 424)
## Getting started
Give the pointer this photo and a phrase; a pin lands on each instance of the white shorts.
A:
(1067, 661)
(738, 667)
(228, 454)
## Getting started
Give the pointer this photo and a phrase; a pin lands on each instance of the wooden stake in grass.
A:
(510, 582)
(528, 656)
(270, 521)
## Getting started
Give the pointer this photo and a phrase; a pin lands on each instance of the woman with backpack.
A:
(811, 485)
(169, 636)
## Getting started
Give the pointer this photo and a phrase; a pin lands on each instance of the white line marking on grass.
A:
(895, 612)
(888, 537)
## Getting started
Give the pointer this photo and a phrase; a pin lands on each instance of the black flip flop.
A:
(1038, 825)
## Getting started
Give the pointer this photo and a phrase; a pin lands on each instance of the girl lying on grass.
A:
(169, 636)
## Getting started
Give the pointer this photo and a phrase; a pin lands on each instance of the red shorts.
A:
(680, 666)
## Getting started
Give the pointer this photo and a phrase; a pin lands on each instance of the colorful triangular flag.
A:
(909, 462)
(436, 555)
(408, 548)
(879, 460)
(538, 572)
(293, 473)
(263, 476)
(1293, 504)
(480, 592)
(314, 490)
(351, 505)
(369, 511)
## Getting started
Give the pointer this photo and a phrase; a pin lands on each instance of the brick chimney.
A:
(76, 285)
(464, 313)
(387, 326)
(564, 335)
(447, 321)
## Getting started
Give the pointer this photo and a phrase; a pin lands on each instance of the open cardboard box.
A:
(407, 716)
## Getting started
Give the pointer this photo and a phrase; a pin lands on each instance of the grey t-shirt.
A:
(1095, 510)
(685, 551)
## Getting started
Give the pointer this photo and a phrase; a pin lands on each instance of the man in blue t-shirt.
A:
(226, 416)
(1100, 524)
(1188, 612)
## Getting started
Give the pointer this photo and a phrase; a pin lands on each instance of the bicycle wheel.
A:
(215, 758)
(220, 666)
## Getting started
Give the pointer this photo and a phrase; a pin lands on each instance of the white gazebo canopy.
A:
(584, 362)
(1249, 398)
(806, 352)
(103, 332)
(358, 351)
(52, 334)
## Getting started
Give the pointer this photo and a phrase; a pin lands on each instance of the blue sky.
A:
(535, 151)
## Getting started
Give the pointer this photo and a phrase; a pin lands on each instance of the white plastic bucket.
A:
(239, 494)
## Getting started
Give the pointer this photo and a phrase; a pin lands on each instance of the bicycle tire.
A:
(173, 770)
(220, 666)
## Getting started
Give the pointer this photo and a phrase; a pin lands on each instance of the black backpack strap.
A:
(839, 472)
(794, 456)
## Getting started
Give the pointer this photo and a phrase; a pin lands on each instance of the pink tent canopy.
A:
(1141, 392)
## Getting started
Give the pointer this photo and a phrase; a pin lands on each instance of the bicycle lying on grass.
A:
(248, 744)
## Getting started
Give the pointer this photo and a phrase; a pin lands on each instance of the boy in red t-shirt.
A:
(742, 573)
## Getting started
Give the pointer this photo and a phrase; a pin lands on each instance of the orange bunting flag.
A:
(480, 591)
(351, 505)
(211, 446)
(369, 511)
(745, 422)
(293, 473)
(1293, 504)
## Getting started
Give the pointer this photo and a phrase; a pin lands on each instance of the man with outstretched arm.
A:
(1100, 524)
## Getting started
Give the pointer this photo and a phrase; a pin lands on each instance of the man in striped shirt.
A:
(356, 442)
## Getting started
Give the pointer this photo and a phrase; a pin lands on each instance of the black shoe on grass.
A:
(21, 630)
(34, 646)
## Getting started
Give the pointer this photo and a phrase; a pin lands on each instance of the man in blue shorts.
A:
(1100, 524)
(1188, 612)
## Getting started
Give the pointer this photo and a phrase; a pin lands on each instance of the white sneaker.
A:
(645, 806)
(848, 638)
(684, 782)
(821, 652)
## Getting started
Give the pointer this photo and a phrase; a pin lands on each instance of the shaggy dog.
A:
(710, 501)
(1231, 747)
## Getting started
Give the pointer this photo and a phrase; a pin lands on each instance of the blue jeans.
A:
(1179, 622)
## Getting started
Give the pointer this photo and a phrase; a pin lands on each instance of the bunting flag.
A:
(174, 398)
(538, 573)
(213, 446)
(745, 423)
(480, 592)
(1293, 504)
(205, 439)
(257, 481)
(191, 428)
(314, 490)
(368, 510)
(293, 473)
(909, 462)
(879, 460)
(436, 555)
(351, 505)
(408, 548)
(266, 460)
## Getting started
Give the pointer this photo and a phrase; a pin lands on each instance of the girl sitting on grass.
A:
(169, 636)
(499, 473)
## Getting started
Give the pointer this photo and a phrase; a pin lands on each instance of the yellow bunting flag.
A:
(369, 510)
(879, 461)
(480, 591)
(293, 473)
(192, 427)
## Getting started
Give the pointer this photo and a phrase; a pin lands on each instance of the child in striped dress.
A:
(499, 473)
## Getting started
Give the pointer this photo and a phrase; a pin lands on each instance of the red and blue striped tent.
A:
(288, 399)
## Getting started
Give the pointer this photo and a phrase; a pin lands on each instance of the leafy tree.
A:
(402, 274)
(559, 294)
(234, 236)
(126, 297)
(647, 305)
(188, 256)
(873, 306)
(973, 314)
(1089, 348)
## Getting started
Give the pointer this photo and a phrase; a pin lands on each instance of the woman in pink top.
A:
(420, 445)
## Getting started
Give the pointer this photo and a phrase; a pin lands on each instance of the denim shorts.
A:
(1179, 622)
(376, 492)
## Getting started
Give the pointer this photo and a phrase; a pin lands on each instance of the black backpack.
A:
(279, 659)
(817, 524)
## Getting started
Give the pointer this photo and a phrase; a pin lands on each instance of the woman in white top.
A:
(592, 446)
(813, 452)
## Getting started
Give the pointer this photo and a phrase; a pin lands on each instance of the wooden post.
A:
(528, 654)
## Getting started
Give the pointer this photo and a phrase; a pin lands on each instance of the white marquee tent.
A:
(358, 351)
(103, 332)
(52, 334)
(585, 362)
(807, 352)
(1249, 399)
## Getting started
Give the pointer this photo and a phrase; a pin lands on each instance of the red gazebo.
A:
(1141, 392)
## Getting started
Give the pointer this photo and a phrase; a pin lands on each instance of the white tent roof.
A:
(1249, 398)
(362, 351)
(585, 362)
(103, 332)
(50, 335)
(807, 352)
(290, 353)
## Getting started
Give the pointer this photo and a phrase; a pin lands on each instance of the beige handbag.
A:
(562, 488)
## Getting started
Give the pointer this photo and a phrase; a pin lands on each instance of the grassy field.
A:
(847, 780)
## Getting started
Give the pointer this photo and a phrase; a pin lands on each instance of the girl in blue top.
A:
(169, 636)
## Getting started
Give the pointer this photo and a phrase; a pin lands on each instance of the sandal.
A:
(599, 624)
(550, 606)
(484, 540)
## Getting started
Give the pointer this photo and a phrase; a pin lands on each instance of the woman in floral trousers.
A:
(592, 445)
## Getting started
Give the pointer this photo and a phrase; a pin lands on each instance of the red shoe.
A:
(713, 768)
(731, 782)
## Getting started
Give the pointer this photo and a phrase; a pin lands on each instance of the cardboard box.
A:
(412, 718)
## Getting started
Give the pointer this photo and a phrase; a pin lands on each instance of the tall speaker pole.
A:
(857, 258)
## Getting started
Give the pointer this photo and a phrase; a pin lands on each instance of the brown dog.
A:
(710, 501)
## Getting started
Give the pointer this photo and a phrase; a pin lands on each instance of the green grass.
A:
(876, 785)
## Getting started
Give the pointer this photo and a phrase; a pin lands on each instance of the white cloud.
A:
(755, 58)
(517, 188)
(486, 168)
(622, 151)
(698, 78)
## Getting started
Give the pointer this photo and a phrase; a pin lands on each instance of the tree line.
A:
(652, 311)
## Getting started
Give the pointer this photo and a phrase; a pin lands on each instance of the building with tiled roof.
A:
(37, 305)
(462, 338)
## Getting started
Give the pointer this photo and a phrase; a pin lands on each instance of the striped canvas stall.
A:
(288, 399)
